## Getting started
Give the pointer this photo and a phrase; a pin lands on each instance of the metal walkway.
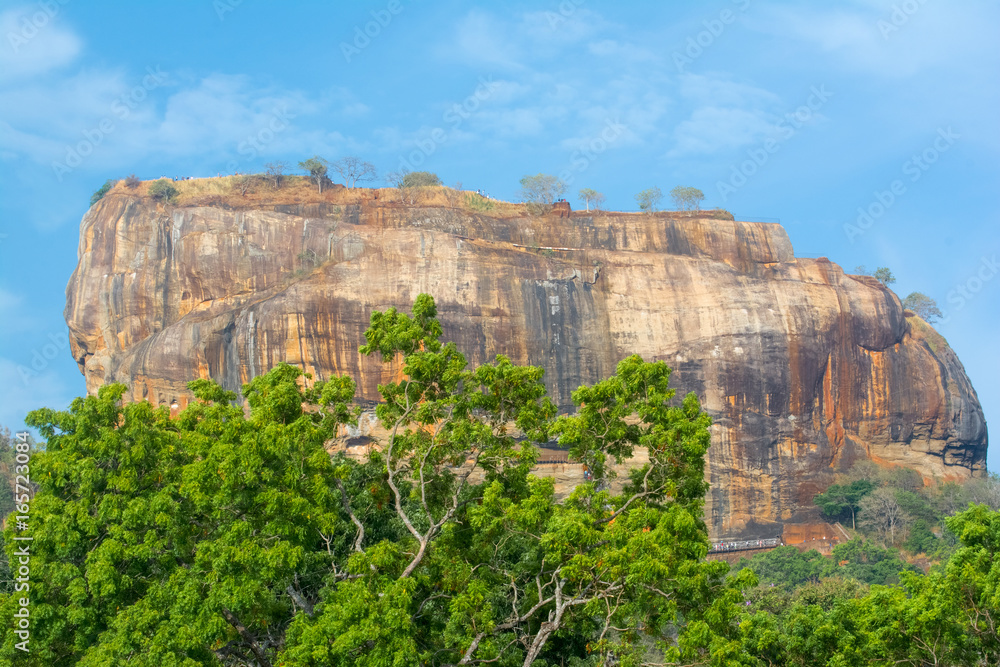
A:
(744, 545)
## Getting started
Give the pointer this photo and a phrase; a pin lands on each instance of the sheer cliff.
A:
(804, 369)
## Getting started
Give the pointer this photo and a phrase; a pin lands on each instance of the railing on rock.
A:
(745, 545)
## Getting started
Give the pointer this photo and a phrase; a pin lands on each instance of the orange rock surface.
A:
(804, 368)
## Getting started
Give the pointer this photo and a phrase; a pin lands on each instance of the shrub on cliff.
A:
(420, 179)
(101, 191)
(132, 181)
(163, 191)
(541, 191)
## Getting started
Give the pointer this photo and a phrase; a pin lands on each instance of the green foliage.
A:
(478, 203)
(786, 566)
(649, 199)
(841, 501)
(923, 305)
(316, 167)
(420, 179)
(920, 539)
(868, 562)
(101, 191)
(163, 191)
(227, 537)
(687, 198)
(946, 618)
(219, 537)
(160, 538)
(884, 276)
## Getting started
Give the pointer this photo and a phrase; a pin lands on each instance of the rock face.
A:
(804, 369)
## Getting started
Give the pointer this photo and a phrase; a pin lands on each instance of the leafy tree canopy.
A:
(924, 306)
(649, 199)
(163, 190)
(316, 167)
(687, 198)
(225, 538)
(101, 191)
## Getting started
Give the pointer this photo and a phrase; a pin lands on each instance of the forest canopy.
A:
(225, 537)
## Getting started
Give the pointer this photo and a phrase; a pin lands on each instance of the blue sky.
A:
(788, 110)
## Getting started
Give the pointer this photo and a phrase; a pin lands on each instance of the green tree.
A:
(163, 191)
(785, 566)
(420, 179)
(867, 562)
(923, 305)
(187, 541)
(589, 196)
(316, 168)
(649, 199)
(840, 500)
(884, 276)
(687, 198)
(101, 191)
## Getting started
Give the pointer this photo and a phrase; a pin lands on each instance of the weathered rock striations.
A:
(804, 368)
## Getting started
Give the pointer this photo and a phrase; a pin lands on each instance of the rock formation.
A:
(804, 369)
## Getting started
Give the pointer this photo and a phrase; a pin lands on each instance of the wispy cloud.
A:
(34, 42)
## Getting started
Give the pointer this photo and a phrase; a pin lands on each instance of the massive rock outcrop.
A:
(804, 369)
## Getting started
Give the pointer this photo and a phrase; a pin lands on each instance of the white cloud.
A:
(34, 42)
(880, 39)
(713, 129)
(620, 51)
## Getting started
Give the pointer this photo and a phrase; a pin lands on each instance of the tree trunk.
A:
(249, 638)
